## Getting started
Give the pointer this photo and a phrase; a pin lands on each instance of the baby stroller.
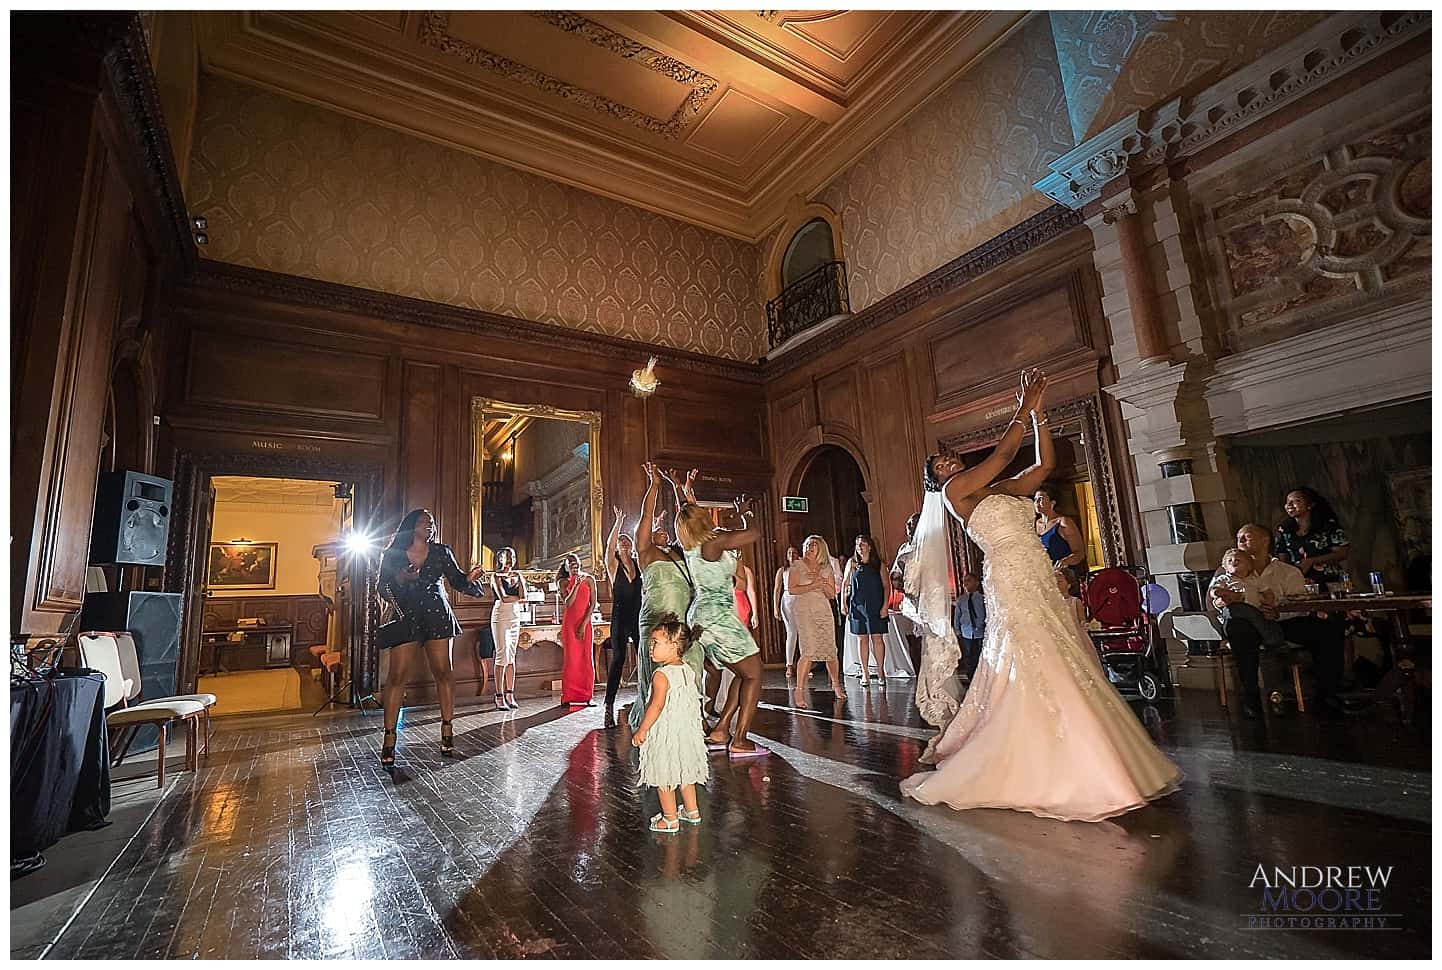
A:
(1114, 602)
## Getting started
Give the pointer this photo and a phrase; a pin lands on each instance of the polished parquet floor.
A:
(292, 843)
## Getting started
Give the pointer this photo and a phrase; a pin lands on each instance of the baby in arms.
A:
(1237, 575)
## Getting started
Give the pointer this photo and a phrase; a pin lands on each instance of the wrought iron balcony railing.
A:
(813, 298)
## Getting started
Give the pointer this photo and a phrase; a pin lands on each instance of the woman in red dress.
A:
(578, 594)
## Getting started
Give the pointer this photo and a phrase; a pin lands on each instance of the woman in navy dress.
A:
(1059, 535)
(411, 572)
(865, 592)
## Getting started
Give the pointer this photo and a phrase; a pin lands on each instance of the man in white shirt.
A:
(1324, 636)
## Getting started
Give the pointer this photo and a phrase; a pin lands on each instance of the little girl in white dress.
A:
(671, 736)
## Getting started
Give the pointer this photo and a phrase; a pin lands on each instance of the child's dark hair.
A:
(674, 626)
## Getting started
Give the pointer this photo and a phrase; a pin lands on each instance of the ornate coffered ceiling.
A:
(715, 117)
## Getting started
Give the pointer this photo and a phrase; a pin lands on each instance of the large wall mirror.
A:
(535, 484)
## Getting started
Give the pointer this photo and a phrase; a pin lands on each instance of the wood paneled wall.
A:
(91, 245)
(282, 365)
(947, 364)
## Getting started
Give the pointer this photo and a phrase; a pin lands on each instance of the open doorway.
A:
(270, 634)
(833, 486)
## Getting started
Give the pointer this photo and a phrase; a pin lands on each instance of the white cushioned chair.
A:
(99, 651)
(130, 669)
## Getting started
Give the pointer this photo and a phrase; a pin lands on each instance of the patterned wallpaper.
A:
(1116, 61)
(298, 189)
(958, 171)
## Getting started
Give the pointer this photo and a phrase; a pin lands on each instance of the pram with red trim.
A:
(1121, 631)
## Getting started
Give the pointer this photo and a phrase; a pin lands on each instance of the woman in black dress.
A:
(624, 573)
(411, 572)
(865, 593)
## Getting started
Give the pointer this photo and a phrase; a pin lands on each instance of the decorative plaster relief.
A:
(435, 34)
(1332, 232)
(1185, 125)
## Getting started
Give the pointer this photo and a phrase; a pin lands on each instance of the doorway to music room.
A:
(270, 639)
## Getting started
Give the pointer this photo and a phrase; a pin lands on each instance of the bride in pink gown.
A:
(1040, 730)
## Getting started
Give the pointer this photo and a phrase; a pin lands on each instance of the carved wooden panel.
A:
(889, 438)
(979, 352)
(420, 441)
(78, 291)
(791, 417)
(239, 370)
(836, 401)
(710, 430)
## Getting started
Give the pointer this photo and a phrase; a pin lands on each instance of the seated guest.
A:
(1312, 539)
(1237, 575)
(969, 621)
(1320, 634)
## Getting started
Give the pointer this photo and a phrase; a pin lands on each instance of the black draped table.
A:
(59, 763)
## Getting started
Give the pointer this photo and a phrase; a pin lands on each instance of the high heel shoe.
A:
(448, 739)
(511, 700)
(388, 751)
(501, 702)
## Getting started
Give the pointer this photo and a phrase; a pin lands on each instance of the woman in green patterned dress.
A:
(665, 588)
(712, 555)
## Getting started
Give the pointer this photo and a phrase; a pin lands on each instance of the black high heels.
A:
(448, 739)
(388, 751)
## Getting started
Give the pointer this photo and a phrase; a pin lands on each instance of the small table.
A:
(59, 764)
(1395, 605)
(276, 648)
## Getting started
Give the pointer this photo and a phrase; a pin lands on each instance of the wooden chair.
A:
(1202, 628)
(100, 652)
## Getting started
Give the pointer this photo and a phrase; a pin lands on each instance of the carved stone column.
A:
(1137, 274)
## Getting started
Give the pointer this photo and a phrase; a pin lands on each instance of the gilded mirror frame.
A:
(481, 406)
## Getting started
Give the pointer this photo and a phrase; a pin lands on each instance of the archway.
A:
(812, 247)
(835, 487)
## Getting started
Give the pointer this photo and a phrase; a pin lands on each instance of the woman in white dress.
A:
(509, 587)
(781, 604)
(1040, 730)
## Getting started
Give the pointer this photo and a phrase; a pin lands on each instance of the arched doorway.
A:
(834, 486)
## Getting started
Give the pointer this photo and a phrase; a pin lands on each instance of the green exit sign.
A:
(794, 503)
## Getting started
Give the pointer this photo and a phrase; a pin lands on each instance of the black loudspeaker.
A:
(153, 620)
(132, 519)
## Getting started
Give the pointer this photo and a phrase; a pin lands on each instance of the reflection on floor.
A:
(253, 691)
(292, 843)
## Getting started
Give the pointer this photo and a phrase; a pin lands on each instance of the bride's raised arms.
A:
(966, 486)
(1027, 482)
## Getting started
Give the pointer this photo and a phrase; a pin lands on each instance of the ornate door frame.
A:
(1084, 415)
(192, 472)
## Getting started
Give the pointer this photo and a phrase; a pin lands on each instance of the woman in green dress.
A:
(712, 554)
(665, 588)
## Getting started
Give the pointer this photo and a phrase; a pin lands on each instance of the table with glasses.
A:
(1402, 679)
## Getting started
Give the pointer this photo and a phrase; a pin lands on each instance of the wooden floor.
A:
(292, 843)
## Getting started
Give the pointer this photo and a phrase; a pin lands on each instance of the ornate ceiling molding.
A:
(435, 33)
(1186, 125)
(395, 77)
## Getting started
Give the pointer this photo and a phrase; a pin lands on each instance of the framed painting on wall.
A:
(241, 565)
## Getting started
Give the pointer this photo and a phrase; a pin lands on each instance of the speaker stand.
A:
(361, 703)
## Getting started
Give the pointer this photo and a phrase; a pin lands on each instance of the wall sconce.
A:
(198, 226)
